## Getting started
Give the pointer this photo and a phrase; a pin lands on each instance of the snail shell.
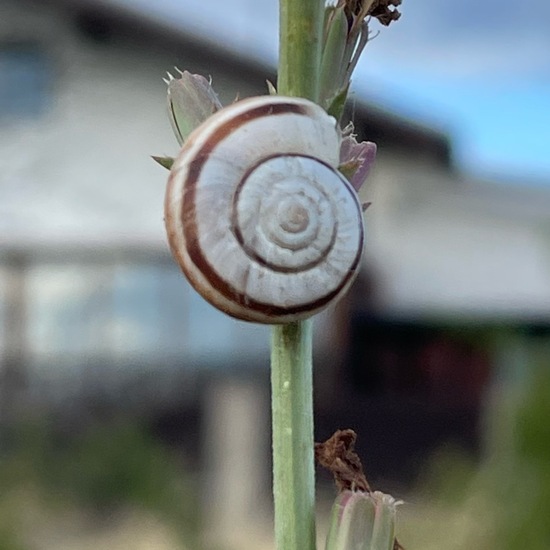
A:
(258, 217)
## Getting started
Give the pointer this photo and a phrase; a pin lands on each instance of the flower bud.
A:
(346, 33)
(191, 100)
(362, 521)
(334, 62)
(356, 159)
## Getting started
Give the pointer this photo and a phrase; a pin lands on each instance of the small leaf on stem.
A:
(271, 88)
(165, 162)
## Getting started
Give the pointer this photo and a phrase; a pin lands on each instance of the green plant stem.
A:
(292, 416)
(300, 47)
(300, 44)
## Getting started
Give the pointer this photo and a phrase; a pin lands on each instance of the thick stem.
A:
(300, 33)
(300, 47)
(293, 463)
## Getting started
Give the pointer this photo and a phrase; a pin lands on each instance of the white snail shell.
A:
(258, 217)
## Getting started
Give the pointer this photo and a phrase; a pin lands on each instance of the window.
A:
(2, 310)
(25, 81)
(105, 310)
(138, 314)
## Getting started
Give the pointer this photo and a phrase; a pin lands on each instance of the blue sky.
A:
(477, 70)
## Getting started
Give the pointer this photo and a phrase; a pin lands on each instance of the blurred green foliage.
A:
(9, 539)
(498, 502)
(520, 478)
(502, 501)
(103, 470)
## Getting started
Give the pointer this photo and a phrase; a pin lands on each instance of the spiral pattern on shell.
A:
(258, 217)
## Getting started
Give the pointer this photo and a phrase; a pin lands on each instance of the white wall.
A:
(81, 174)
(445, 247)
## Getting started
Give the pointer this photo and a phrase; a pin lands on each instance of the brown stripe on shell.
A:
(194, 251)
(239, 236)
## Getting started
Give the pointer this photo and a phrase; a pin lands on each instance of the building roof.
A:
(107, 18)
(47, 201)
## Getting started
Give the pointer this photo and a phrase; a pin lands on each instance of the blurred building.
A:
(96, 314)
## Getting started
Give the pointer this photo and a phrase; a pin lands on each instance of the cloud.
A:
(468, 39)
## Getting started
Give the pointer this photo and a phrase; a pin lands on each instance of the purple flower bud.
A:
(356, 159)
